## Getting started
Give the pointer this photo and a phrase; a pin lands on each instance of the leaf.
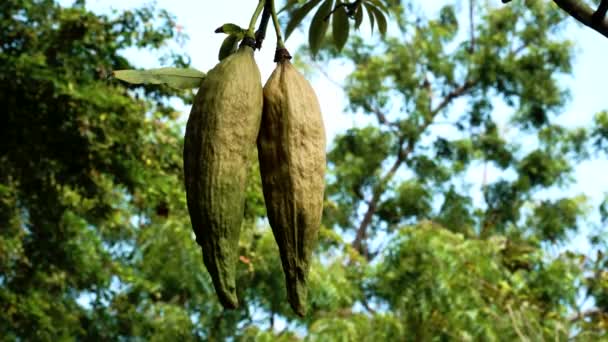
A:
(340, 26)
(229, 46)
(178, 78)
(230, 29)
(298, 15)
(380, 19)
(288, 6)
(358, 17)
(370, 13)
(379, 4)
(318, 26)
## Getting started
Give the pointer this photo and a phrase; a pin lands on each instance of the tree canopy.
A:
(95, 239)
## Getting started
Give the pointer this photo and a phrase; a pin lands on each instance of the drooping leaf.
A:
(230, 29)
(318, 26)
(379, 4)
(370, 14)
(298, 15)
(340, 25)
(358, 17)
(380, 18)
(178, 78)
(288, 5)
(229, 46)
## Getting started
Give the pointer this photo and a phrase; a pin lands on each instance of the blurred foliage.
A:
(96, 244)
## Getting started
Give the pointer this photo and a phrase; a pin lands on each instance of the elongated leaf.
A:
(380, 19)
(178, 78)
(358, 17)
(229, 46)
(298, 15)
(340, 26)
(370, 14)
(379, 4)
(288, 6)
(318, 26)
(230, 29)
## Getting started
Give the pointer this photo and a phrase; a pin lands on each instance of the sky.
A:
(199, 18)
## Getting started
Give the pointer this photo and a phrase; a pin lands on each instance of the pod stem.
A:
(260, 34)
(254, 18)
(277, 26)
(281, 54)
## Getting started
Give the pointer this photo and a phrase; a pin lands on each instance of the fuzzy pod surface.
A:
(219, 147)
(291, 152)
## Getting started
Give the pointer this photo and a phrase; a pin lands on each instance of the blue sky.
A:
(199, 19)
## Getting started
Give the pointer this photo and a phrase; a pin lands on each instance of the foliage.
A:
(96, 242)
(339, 13)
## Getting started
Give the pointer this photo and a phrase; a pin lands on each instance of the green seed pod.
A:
(291, 151)
(218, 149)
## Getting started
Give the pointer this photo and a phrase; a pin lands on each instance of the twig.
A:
(367, 306)
(344, 4)
(326, 74)
(472, 26)
(350, 8)
(515, 325)
(585, 314)
(260, 34)
(451, 96)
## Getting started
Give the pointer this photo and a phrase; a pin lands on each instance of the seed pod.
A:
(291, 151)
(218, 149)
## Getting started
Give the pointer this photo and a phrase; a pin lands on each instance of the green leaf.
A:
(229, 46)
(298, 15)
(380, 19)
(231, 29)
(288, 6)
(379, 4)
(340, 26)
(370, 13)
(358, 17)
(178, 78)
(318, 26)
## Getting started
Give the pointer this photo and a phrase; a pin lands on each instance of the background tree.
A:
(91, 197)
(96, 242)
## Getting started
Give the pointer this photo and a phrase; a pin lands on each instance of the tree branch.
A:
(367, 306)
(471, 26)
(373, 203)
(586, 314)
(586, 15)
(451, 96)
(600, 13)
(326, 74)
(361, 235)
(380, 116)
(350, 8)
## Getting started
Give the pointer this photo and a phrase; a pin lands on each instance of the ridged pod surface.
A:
(219, 146)
(291, 151)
